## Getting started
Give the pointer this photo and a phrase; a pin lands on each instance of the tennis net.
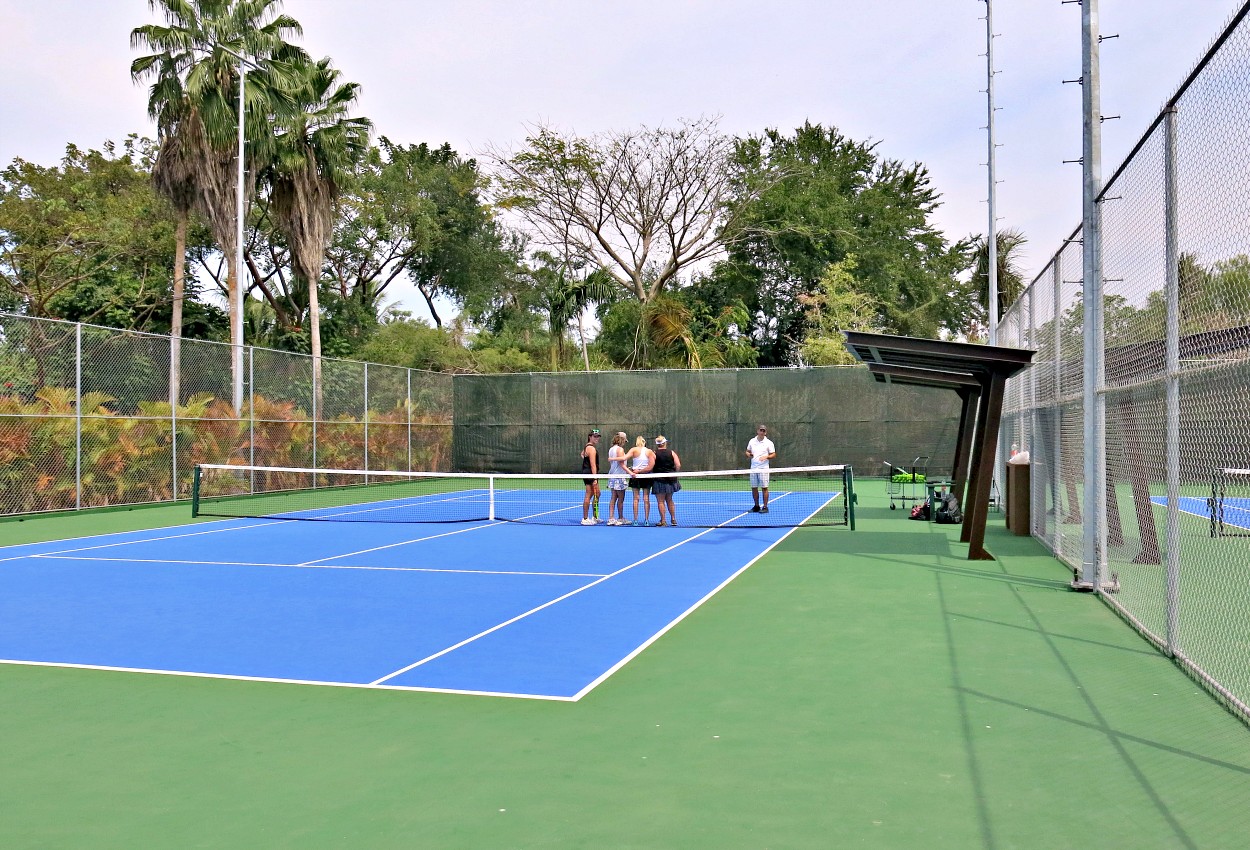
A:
(810, 495)
(1229, 504)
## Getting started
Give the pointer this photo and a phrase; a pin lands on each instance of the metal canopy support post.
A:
(985, 442)
(969, 398)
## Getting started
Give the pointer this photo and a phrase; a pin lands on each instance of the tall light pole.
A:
(991, 233)
(1094, 531)
(236, 295)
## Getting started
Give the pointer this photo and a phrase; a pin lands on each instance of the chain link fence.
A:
(92, 416)
(1172, 529)
(537, 423)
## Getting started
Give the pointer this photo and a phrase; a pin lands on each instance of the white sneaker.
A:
(588, 521)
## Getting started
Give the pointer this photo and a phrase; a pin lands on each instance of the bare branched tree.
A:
(643, 204)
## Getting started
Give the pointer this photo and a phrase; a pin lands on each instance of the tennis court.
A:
(869, 689)
(366, 596)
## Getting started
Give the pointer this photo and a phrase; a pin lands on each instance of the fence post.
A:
(77, 415)
(251, 413)
(1171, 244)
(174, 359)
(316, 393)
(1057, 404)
(366, 416)
(408, 374)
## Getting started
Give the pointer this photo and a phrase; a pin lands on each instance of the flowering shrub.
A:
(130, 459)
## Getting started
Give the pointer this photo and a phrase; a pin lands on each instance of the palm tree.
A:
(315, 150)
(173, 175)
(1010, 274)
(194, 98)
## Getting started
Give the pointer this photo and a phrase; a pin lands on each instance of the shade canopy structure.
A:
(978, 373)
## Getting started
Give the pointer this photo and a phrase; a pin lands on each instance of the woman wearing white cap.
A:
(666, 460)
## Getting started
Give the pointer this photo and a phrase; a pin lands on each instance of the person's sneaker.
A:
(588, 521)
(764, 509)
(661, 524)
(755, 509)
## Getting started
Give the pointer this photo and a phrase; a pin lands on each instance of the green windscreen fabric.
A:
(537, 423)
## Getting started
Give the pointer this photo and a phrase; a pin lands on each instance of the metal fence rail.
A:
(1176, 391)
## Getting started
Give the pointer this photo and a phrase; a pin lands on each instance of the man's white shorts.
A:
(759, 479)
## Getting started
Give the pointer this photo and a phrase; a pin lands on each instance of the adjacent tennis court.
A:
(376, 599)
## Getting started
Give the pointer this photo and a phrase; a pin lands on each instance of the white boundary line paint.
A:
(268, 679)
(631, 656)
(117, 533)
(146, 539)
(430, 537)
(535, 610)
(315, 566)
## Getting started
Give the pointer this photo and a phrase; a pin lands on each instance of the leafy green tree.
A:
(676, 330)
(810, 199)
(840, 304)
(89, 240)
(416, 213)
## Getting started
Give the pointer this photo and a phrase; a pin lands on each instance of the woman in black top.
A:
(590, 466)
(666, 460)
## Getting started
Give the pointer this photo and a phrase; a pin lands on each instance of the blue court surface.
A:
(506, 609)
(1235, 514)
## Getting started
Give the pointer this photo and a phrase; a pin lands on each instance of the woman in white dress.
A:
(618, 480)
(640, 459)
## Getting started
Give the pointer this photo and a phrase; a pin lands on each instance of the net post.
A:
(195, 493)
(490, 484)
(848, 479)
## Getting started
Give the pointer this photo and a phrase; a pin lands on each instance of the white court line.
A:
(275, 680)
(152, 539)
(535, 610)
(316, 566)
(496, 524)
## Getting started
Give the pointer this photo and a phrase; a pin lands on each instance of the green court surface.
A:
(851, 689)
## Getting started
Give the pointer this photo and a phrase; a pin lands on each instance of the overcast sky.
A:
(907, 73)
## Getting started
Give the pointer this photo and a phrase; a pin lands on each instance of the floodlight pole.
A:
(1094, 508)
(991, 237)
(236, 318)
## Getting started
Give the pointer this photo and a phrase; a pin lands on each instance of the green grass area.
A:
(852, 689)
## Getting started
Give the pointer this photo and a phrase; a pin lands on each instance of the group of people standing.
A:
(624, 467)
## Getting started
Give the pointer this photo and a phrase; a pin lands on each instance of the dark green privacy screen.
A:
(538, 422)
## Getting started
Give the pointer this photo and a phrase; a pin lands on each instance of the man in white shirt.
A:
(760, 450)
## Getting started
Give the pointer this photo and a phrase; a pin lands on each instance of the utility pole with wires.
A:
(991, 234)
